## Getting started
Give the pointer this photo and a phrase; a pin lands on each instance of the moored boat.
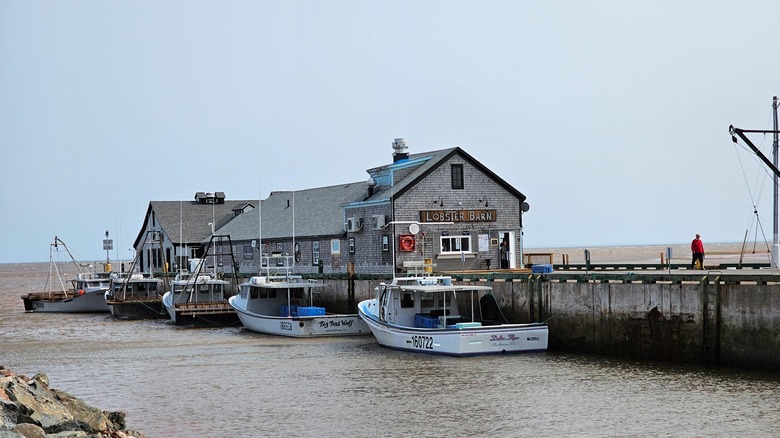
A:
(84, 294)
(283, 304)
(136, 296)
(432, 315)
(198, 298)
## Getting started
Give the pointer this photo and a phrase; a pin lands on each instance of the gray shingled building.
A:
(441, 207)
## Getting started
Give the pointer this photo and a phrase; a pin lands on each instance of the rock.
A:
(29, 430)
(29, 405)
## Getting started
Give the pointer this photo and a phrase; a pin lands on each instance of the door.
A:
(507, 250)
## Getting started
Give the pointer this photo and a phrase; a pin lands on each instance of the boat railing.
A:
(276, 265)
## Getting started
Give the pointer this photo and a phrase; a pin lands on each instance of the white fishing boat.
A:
(82, 294)
(200, 300)
(432, 315)
(136, 296)
(283, 304)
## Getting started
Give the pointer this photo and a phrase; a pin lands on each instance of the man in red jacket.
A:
(697, 248)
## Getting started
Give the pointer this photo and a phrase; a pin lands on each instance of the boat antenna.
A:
(181, 232)
(260, 224)
(293, 208)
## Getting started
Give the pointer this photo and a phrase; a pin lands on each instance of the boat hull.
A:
(138, 309)
(88, 302)
(300, 326)
(203, 314)
(493, 339)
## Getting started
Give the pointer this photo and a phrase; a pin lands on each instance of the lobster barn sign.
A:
(457, 215)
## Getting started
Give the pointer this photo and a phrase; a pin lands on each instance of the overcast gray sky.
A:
(610, 116)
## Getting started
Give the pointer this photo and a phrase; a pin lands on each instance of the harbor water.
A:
(228, 382)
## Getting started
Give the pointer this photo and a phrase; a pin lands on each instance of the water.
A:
(183, 382)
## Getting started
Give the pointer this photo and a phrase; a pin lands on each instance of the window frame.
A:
(452, 239)
(315, 253)
(457, 176)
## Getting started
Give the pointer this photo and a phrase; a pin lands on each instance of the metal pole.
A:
(775, 244)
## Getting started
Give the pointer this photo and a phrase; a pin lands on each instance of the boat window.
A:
(243, 291)
(253, 294)
(407, 300)
(427, 299)
(263, 292)
(153, 287)
(297, 293)
(140, 287)
(177, 289)
(203, 288)
(272, 293)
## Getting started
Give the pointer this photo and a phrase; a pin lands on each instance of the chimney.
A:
(401, 148)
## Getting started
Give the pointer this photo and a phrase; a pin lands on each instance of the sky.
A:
(610, 116)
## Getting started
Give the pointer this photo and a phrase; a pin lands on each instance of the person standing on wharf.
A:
(697, 248)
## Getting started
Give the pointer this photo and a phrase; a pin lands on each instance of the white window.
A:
(455, 244)
(335, 246)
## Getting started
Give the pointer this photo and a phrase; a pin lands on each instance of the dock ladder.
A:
(711, 320)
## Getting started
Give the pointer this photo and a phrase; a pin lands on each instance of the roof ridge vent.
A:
(401, 149)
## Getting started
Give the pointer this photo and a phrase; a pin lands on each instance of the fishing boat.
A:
(134, 295)
(279, 303)
(82, 294)
(432, 315)
(200, 299)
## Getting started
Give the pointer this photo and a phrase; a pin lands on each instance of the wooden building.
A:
(442, 210)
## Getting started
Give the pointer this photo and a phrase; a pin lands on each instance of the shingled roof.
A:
(427, 162)
(318, 212)
(190, 219)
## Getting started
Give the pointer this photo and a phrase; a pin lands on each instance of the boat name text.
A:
(510, 337)
(339, 323)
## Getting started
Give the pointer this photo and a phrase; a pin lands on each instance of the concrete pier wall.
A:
(695, 319)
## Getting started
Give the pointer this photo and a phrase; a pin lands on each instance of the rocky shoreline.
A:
(30, 409)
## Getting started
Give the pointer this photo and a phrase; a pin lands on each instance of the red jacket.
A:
(697, 246)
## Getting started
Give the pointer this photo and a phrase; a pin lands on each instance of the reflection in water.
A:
(183, 382)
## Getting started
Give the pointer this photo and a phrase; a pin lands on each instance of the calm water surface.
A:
(182, 382)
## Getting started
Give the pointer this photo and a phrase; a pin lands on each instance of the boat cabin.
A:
(434, 302)
(88, 282)
(135, 285)
(201, 288)
(278, 292)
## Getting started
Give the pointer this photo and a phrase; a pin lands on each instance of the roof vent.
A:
(401, 148)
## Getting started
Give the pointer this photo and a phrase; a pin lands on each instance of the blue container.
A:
(311, 311)
(293, 310)
(542, 269)
(425, 321)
